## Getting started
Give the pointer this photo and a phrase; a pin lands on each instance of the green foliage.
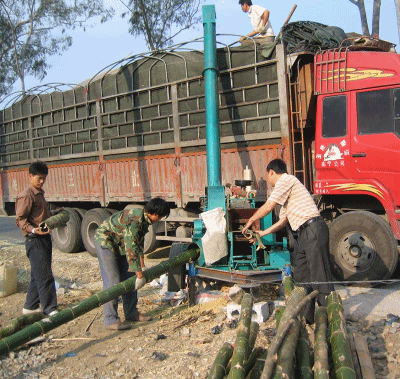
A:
(31, 31)
(156, 20)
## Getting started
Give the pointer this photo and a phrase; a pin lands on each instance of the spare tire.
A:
(68, 238)
(91, 221)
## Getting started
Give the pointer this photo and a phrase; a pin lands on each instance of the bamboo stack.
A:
(290, 354)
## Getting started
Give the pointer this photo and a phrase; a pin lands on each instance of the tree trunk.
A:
(364, 23)
(375, 17)
(397, 3)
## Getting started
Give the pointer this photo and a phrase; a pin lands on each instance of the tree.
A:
(31, 31)
(375, 16)
(397, 3)
(155, 19)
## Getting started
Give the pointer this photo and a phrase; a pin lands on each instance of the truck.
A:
(136, 130)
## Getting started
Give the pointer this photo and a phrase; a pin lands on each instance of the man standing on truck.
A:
(310, 257)
(259, 18)
(31, 209)
(123, 234)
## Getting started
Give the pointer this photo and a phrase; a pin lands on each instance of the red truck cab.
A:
(357, 158)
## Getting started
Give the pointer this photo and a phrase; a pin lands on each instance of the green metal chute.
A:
(9, 343)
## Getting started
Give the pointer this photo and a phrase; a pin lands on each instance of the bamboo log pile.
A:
(291, 355)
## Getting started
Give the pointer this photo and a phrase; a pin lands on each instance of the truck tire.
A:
(150, 241)
(90, 223)
(176, 276)
(68, 238)
(362, 247)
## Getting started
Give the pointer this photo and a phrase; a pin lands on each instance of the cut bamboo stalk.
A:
(252, 337)
(218, 368)
(321, 360)
(17, 323)
(256, 371)
(354, 356)
(251, 361)
(285, 324)
(238, 360)
(364, 357)
(303, 354)
(53, 222)
(9, 343)
(341, 354)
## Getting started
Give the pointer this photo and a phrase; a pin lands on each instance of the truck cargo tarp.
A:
(311, 36)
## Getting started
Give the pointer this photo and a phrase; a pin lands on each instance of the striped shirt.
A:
(297, 204)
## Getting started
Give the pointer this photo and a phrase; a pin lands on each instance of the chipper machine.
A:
(226, 254)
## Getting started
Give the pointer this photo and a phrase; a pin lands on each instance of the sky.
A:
(103, 44)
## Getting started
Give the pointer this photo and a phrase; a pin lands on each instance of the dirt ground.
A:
(180, 342)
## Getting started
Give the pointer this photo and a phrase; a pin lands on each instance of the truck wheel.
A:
(362, 247)
(90, 223)
(68, 238)
(150, 241)
(176, 276)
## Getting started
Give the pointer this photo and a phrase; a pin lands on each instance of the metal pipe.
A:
(210, 74)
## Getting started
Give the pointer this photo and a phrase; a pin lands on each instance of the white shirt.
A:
(256, 17)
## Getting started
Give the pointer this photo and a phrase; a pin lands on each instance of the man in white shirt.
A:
(262, 29)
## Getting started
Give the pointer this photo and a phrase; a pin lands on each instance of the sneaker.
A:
(30, 311)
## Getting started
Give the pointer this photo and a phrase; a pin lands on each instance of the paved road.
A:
(10, 234)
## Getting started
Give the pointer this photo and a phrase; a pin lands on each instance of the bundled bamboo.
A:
(9, 343)
(290, 313)
(53, 222)
(218, 368)
(238, 360)
(321, 361)
(339, 339)
(17, 323)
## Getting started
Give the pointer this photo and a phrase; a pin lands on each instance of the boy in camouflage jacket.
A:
(121, 235)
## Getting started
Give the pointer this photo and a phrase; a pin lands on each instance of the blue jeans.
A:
(114, 269)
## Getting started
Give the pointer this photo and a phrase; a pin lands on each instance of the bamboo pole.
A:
(364, 357)
(339, 339)
(252, 337)
(284, 326)
(17, 323)
(304, 353)
(218, 368)
(53, 222)
(251, 361)
(256, 371)
(242, 339)
(9, 343)
(321, 360)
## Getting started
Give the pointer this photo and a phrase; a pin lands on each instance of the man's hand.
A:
(40, 232)
(140, 280)
(247, 226)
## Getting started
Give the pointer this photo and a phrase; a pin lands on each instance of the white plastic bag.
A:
(214, 241)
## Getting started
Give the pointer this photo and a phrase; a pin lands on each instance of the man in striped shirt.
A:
(310, 256)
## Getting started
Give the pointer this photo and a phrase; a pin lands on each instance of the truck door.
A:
(333, 145)
(375, 140)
